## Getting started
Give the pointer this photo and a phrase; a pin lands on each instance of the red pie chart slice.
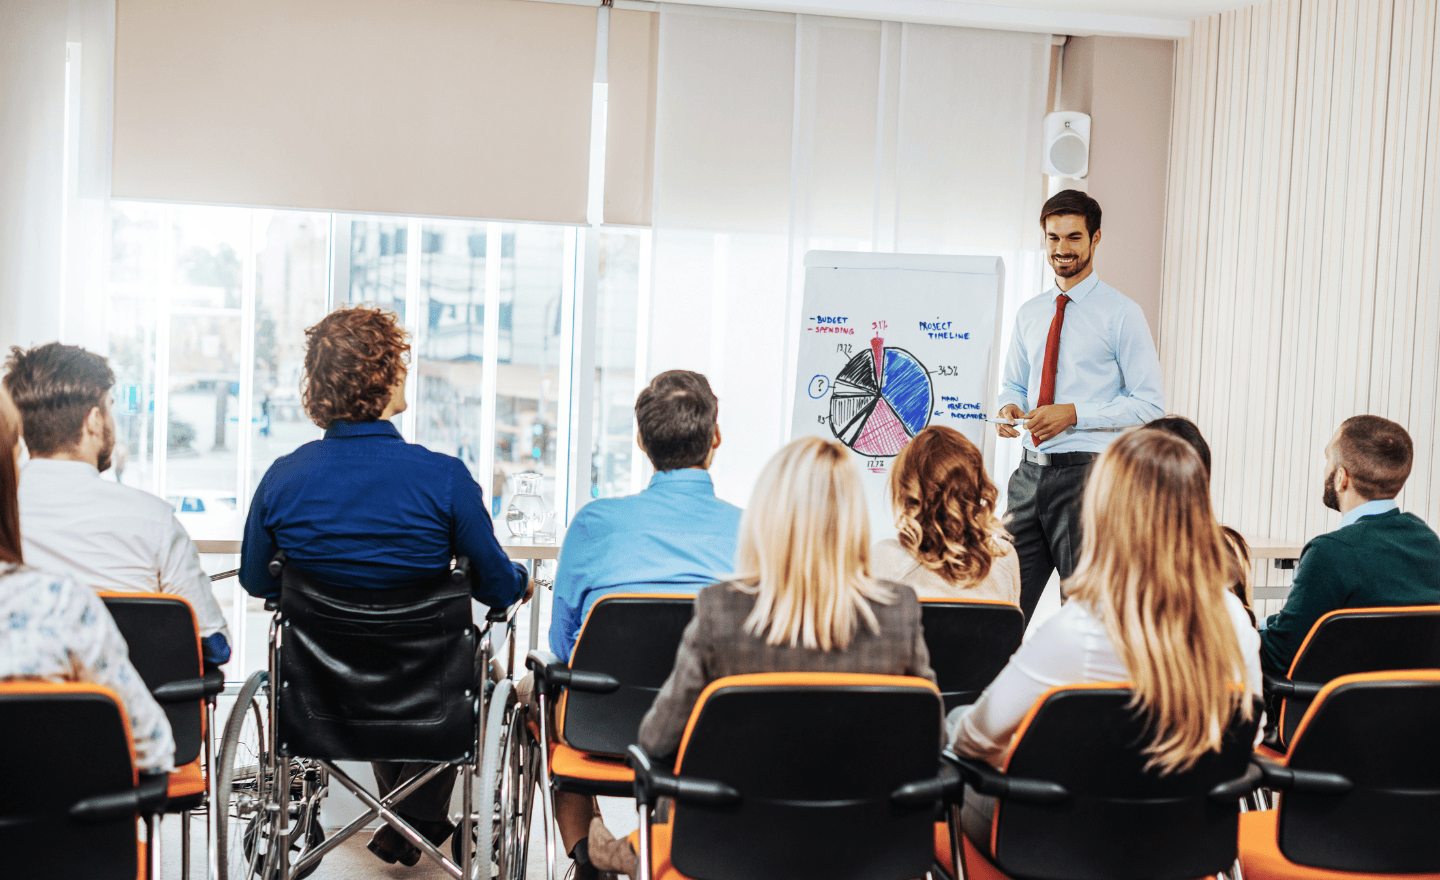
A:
(884, 434)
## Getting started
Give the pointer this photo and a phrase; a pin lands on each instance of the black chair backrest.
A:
(1354, 640)
(65, 742)
(815, 758)
(164, 644)
(632, 637)
(377, 675)
(970, 641)
(1121, 821)
(1379, 731)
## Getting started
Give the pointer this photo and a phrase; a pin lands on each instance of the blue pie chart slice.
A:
(907, 389)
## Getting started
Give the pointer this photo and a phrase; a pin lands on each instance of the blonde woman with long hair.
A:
(950, 543)
(1150, 603)
(803, 599)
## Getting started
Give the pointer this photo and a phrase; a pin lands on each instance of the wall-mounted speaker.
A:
(1067, 145)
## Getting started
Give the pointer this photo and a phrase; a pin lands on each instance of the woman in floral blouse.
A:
(53, 629)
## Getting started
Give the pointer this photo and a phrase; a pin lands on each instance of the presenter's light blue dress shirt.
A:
(675, 536)
(363, 508)
(1107, 365)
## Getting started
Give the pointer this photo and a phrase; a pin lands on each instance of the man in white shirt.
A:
(105, 535)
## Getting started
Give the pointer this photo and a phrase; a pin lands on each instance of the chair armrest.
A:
(551, 675)
(212, 683)
(1283, 778)
(1284, 687)
(987, 780)
(947, 786)
(148, 796)
(651, 784)
(1239, 787)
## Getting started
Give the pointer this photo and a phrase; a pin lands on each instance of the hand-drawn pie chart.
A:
(880, 400)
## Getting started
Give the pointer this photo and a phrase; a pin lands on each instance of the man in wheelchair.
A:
(363, 510)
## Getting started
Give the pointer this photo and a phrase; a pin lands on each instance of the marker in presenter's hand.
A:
(1014, 423)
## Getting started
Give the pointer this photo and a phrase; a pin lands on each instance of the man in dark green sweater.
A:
(1377, 557)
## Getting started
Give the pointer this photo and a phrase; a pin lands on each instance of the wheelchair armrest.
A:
(210, 684)
(272, 603)
(277, 563)
(497, 615)
(946, 786)
(1283, 687)
(551, 675)
(987, 780)
(1282, 778)
(1235, 789)
(460, 574)
(650, 784)
(148, 796)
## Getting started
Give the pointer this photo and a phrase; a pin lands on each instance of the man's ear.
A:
(715, 444)
(1342, 479)
(95, 421)
(1095, 239)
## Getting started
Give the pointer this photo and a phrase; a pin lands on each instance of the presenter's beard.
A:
(1067, 270)
(107, 452)
(1331, 498)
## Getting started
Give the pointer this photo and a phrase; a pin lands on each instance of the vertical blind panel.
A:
(469, 108)
(1299, 281)
(845, 91)
(726, 100)
(965, 150)
(630, 129)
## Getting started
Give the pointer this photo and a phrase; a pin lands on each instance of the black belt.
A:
(1060, 459)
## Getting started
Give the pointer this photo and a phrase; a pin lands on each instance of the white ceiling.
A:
(1165, 19)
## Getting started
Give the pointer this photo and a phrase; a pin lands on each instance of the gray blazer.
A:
(715, 645)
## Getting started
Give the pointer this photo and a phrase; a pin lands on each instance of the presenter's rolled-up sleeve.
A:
(257, 549)
(1143, 397)
(1017, 373)
(498, 582)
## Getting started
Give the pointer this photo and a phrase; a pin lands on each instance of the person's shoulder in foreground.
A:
(58, 630)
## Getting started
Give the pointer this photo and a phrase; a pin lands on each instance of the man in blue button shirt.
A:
(363, 508)
(1082, 368)
(674, 536)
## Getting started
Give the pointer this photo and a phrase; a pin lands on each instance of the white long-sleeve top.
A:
(1072, 647)
(53, 629)
(111, 537)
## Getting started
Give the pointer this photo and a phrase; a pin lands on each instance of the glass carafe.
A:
(527, 516)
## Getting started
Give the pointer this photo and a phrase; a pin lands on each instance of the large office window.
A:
(206, 310)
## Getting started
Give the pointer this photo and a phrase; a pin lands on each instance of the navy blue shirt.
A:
(363, 508)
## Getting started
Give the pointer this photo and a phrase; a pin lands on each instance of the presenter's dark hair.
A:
(353, 357)
(675, 416)
(1073, 201)
(10, 550)
(1377, 454)
(55, 387)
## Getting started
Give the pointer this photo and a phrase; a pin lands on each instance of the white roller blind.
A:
(630, 131)
(471, 108)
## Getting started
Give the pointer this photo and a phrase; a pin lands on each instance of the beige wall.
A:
(1126, 85)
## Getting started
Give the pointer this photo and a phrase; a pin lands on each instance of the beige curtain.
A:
(469, 108)
(1299, 287)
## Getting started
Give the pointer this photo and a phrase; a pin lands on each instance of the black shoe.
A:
(582, 868)
(390, 847)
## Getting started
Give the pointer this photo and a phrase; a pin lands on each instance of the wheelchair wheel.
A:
(506, 791)
(243, 786)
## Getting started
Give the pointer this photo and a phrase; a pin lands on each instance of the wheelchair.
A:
(403, 681)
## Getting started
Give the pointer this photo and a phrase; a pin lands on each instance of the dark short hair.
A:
(675, 416)
(1073, 201)
(353, 357)
(1188, 431)
(1377, 454)
(55, 387)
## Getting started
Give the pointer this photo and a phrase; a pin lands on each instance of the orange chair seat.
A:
(1261, 859)
(977, 866)
(575, 764)
(187, 780)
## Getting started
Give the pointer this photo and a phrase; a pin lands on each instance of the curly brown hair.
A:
(945, 506)
(353, 357)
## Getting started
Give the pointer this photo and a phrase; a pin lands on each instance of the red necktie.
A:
(1052, 352)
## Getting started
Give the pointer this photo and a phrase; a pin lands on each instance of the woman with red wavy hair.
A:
(950, 544)
(363, 508)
